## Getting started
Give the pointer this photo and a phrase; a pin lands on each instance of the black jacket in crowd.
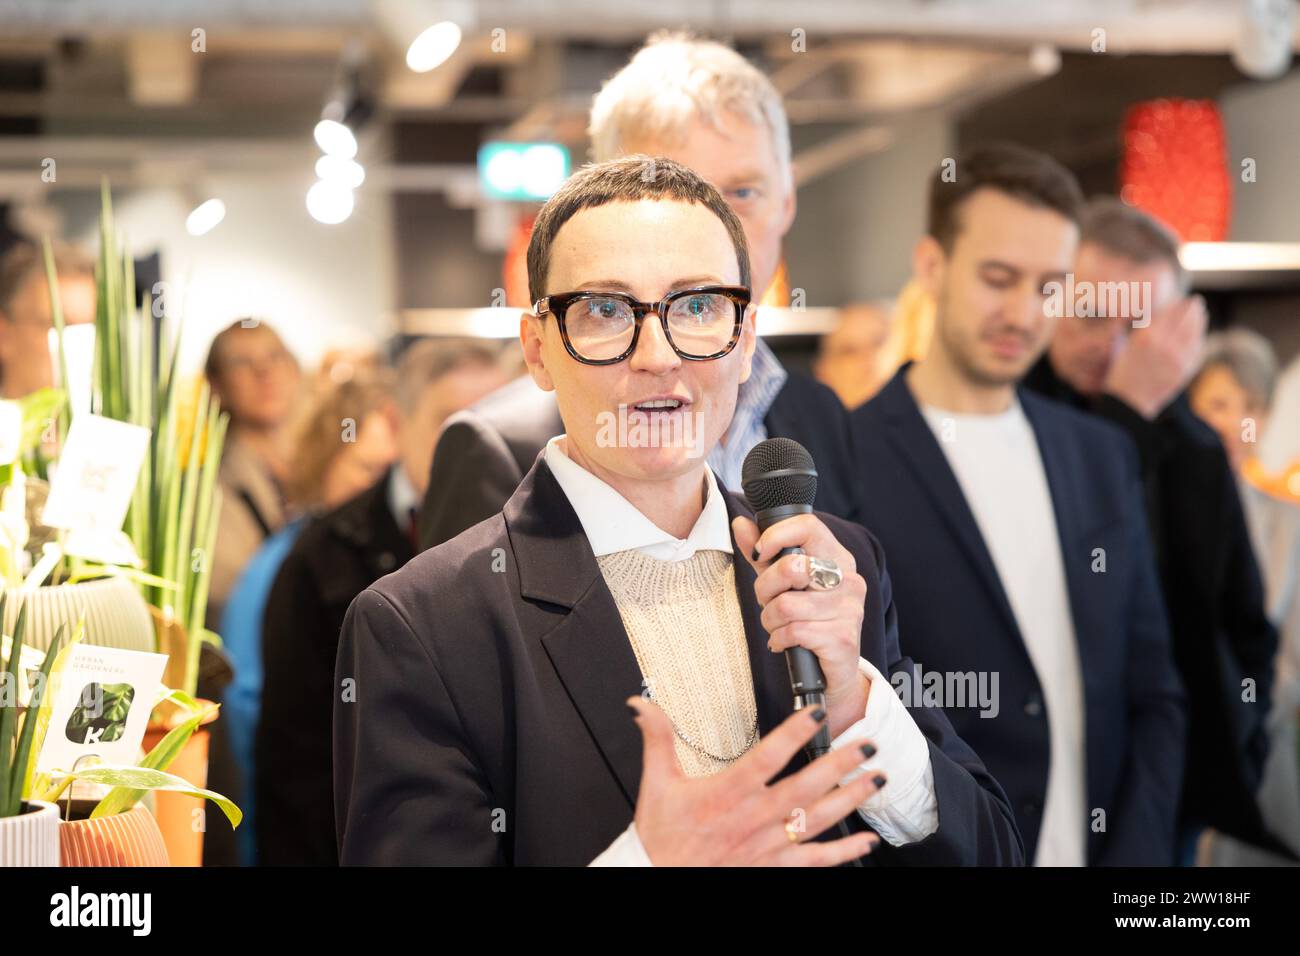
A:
(334, 559)
(1223, 642)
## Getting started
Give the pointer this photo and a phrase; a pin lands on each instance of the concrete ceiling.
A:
(117, 86)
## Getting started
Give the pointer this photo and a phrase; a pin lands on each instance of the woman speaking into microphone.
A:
(596, 674)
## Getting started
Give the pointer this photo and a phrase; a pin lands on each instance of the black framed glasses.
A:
(602, 328)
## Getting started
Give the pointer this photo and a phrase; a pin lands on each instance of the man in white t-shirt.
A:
(1016, 534)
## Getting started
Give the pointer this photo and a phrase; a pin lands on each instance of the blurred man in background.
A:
(1016, 538)
(701, 104)
(26, 317)
(336, 557)
(1131, 367)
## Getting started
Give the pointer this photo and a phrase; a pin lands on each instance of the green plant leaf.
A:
(159, 758)
(22, 760)
(145, 778)
(38, 783)
(9, 713)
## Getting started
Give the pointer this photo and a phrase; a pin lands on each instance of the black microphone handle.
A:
(807, 683)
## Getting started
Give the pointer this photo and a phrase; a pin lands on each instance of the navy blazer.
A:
(954, 616)
(484, 450)
(487, 723)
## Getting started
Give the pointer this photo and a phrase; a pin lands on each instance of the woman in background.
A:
(1233, 393)
(256, 380)
(344, 445)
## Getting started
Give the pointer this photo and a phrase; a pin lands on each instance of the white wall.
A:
(855, 228)
(319, 286)
(1262, 122)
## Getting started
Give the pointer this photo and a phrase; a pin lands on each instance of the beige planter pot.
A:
(116, 614)
(124, 839)
(32, 837)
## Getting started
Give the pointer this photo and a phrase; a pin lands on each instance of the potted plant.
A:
(29, 829)
(117, 830)
(172, 521)
(41, 565)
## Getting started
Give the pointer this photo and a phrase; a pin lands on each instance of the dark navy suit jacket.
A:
(954, 616)
(489, 724)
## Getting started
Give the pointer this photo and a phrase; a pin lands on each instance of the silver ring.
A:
(824, 574)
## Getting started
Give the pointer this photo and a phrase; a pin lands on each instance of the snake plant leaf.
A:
(9, 714)
(38, 783)
(140, 779)
(22, 771)
(11, 775)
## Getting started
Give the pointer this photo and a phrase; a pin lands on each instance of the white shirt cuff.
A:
(905, 810)
(625, 851)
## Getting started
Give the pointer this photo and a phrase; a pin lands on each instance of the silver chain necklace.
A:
(753, 735)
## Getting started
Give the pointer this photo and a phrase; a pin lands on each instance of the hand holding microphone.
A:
(817, 622)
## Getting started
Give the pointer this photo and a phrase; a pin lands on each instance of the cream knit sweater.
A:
(684, 622)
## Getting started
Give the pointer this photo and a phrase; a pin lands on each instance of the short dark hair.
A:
(627, 179)
(1128, 232)
(1024, 174)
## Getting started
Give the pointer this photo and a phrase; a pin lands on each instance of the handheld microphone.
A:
(780, 481)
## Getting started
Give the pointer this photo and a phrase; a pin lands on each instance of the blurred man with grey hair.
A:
(1131, 365)
(701, 104)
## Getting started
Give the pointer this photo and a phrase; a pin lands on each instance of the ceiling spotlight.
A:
(335, 139)
(345, 172)
(433, 47)
(430, 31)
(329, 203)
(205, 217)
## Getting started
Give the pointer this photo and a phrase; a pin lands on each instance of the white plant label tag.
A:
(96, 475)
(100, 708)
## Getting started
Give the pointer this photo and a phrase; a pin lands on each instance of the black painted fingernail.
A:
(878, 780)
(819, 715)
(868, 751)
(633, 711)
(754, 555)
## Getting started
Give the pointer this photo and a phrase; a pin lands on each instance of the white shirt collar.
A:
(402, 496)
(612, 523)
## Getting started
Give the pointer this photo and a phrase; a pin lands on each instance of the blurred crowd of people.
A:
(331, 481)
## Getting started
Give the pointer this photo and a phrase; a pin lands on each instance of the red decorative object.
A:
(1175, 167)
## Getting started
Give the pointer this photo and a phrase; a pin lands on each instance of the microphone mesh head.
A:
(766, 490)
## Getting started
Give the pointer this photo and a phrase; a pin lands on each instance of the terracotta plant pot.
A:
(32, 837)
(116, 614)
(124, 839)
(176, 812)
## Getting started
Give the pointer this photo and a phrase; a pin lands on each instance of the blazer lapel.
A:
(589, 648)
(768, 671)
(912, 439)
